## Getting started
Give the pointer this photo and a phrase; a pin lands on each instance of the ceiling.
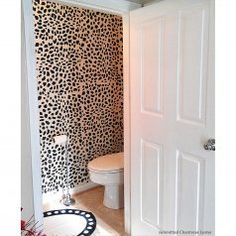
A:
(142, 1)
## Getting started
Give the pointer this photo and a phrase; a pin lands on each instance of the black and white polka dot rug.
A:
(69, 222)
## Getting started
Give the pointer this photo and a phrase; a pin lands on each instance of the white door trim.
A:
(127, 129)
(33, 110)
(120, 7)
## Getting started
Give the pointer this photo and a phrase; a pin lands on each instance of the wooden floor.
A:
(109, 222)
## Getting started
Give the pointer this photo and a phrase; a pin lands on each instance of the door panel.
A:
(189, 191)
(172, 116)
(192, 62)
(151, 53)
(151, 170)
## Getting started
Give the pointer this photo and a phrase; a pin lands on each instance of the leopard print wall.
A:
(80, 85)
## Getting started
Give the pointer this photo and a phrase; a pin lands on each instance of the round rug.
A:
(69, 222)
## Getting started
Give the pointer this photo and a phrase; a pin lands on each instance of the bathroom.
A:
(120, 94)
(79, 69)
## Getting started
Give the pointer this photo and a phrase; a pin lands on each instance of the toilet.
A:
(108, 170)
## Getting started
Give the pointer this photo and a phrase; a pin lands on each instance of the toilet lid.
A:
(110, 162)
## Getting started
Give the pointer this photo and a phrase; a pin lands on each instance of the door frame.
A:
(121, 8)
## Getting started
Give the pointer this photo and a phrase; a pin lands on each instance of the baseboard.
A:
(83, 187)
(57, 195)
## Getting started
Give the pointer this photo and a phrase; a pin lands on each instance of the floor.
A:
(109, 222)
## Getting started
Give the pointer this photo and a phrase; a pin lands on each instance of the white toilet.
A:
(108, 170)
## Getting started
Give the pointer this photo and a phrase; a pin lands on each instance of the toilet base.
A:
(114, 196)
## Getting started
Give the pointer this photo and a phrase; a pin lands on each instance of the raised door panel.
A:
(192, 64)
(189, 191)
(151, 41)
(151, 183)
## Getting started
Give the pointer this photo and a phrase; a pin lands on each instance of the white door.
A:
(172, 117)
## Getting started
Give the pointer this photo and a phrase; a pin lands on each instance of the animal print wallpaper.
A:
(80, 86)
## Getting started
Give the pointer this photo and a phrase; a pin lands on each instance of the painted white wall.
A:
(31, 164)
(26, 160)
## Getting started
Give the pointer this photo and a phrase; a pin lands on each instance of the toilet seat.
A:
(111, 163)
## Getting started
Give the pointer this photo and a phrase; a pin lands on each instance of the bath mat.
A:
(69, 222)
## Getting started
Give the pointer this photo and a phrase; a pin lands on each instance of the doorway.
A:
(121, 10)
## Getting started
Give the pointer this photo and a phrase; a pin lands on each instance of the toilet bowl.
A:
(108, 170)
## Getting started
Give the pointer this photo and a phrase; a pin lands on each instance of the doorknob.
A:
(210, 145)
